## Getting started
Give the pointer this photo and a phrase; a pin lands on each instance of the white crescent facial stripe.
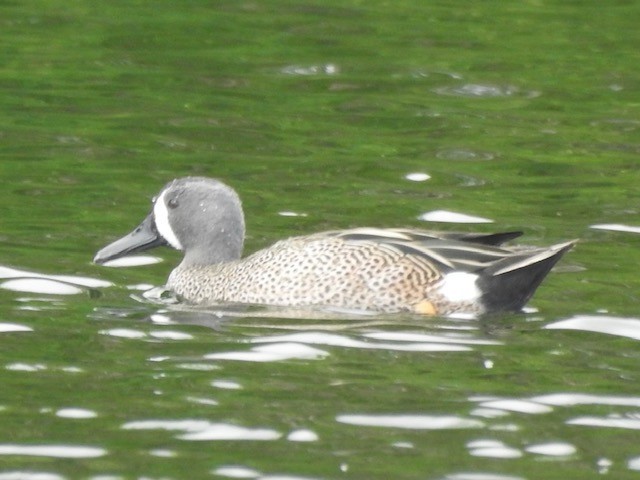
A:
(161, 216)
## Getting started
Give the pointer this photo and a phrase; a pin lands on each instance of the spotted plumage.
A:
(384, 270)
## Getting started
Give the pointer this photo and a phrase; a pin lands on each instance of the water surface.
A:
(323, 116)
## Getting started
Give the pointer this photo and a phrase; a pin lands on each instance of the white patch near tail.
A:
(161, 216)
(460, 287)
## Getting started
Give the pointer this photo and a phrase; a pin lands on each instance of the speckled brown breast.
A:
(316, 270)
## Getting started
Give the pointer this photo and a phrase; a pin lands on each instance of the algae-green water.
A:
(322, 115)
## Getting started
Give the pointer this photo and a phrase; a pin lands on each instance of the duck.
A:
(386, 270)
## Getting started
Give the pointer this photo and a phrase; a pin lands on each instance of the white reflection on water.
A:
(335, 340)
(305, 70)
(204, 430)
(616, 227)
(202, 401)
(272, 353)
(480, 476)
(633, 464)
(39, 285)
(39, 367)
(552, 449)
(26, 367)
(285, 477)
(57, 451)
(417, 177)
(411, 422)
(7, 272)
(571, 399)
(226, 384)
(170, 335)
(123, 333)
(612, 421)
(17, 475)
(289, 213)
(137, 334)
(623, 327)
(224, 431)
(480, 91)
(180, 425)
(77, 413)
(236, 471)
(451, 217)
(492, 449)
(132, 261)
(303, 435)
(163, 453)
(14, 327)
(32, 282)
(422, 337)
(542, 404)
(518, 406)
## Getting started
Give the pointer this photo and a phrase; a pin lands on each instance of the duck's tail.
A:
(509, 283)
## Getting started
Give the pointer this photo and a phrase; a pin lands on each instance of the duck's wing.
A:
(409, 235)
(468, 252)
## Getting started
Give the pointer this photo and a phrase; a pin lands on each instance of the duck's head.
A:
(200, 216)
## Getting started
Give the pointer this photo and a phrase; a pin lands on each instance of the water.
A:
(322, 116)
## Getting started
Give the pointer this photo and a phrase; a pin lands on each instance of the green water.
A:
(526, 113)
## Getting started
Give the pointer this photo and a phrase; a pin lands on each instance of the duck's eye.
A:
(172, 203)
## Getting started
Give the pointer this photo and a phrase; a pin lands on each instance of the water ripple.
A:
(475, 90)
(335, 340)
(464, 154)
(422, 337)
(326, 69)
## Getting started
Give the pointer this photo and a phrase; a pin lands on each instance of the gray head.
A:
(200, 216)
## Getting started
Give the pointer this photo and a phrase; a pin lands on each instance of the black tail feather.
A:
(494, 239)
(510, 283)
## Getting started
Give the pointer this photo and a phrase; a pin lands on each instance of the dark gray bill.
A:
(145, 236)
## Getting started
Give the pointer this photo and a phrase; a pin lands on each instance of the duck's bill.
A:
(144, 237)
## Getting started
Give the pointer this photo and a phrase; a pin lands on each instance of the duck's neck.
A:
(222, 253)
(224, 245)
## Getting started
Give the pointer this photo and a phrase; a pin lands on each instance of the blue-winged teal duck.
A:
(384, 270)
